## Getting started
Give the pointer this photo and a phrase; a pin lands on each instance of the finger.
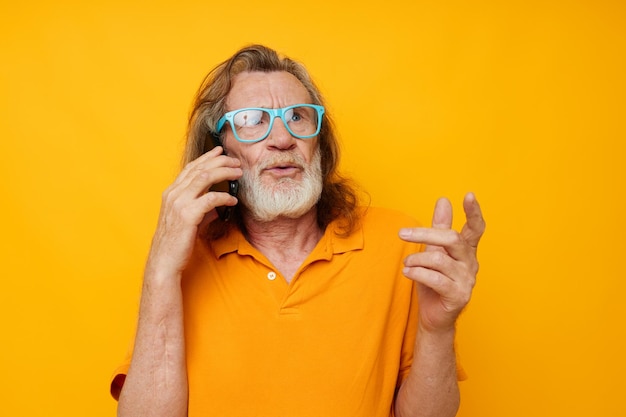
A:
(442, 215)
(430, 278)
(193, 211)
(198, 181)
(214, 152)
(202, 159)
(210, 160)
(442, 219)
(475, 223)
(435, 260)
(439, 239)
(217, 199)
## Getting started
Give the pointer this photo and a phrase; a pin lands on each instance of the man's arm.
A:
(445, 274)
(431, 388)
(156, 384)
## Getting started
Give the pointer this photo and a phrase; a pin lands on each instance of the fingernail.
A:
(405, 233)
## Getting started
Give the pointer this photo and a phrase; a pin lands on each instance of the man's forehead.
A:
(265, 89)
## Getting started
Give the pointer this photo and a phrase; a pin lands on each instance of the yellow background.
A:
(522, 102)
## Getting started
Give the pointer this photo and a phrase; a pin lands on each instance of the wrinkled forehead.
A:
(266, 89)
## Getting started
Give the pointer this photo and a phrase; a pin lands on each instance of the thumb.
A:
(475, 225)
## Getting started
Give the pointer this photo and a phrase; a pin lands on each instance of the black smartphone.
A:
(226, 186)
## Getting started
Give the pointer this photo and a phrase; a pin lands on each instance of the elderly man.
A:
(300, 301)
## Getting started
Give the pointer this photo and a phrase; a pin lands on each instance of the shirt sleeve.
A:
(119, 376)
(408, 343)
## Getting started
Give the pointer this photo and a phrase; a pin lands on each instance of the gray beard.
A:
(286, 197)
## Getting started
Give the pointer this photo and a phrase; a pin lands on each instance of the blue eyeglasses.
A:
(253, 124)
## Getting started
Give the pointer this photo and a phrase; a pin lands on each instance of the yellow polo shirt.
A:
(336, 341)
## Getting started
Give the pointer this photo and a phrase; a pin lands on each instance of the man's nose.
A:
(280, 137)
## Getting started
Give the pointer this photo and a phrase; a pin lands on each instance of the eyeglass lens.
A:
(251, 124)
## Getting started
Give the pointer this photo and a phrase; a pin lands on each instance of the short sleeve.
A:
(118, 378)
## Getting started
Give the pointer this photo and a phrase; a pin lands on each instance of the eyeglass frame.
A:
(274, 113)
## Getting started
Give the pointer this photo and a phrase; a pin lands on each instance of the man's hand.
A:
(446, 270)
(187, 206)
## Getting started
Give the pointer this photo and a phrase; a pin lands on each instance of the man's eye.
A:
(292, 116)
(248, 118)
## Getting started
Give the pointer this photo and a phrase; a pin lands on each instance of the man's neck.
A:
(285, 242)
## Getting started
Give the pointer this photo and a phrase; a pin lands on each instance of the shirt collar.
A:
(330, 244)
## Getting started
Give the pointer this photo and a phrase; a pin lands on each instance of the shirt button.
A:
(271, 275)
